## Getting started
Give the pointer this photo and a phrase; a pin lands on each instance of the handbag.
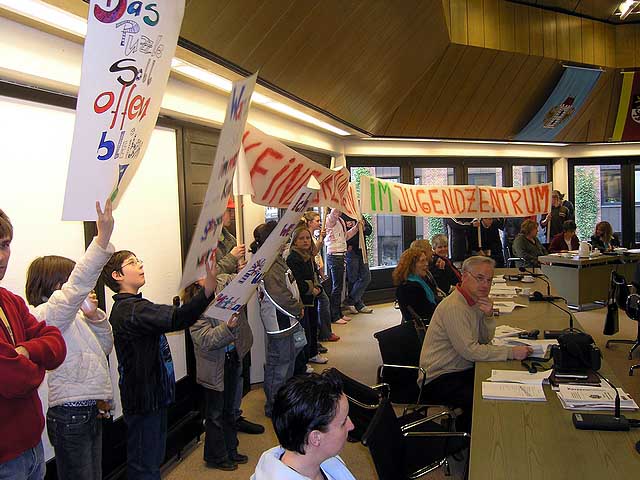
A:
(612, 321)
(299, 338)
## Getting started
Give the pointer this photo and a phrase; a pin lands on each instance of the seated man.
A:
(460, 333)
(311, 419)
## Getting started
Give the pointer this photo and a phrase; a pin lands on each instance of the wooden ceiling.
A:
(467, 69)
(603, 10)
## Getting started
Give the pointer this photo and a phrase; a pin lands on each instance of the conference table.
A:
(537, 440)
(584, 281)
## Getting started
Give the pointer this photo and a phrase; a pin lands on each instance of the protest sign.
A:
(205, 238)
(277, 173)
(125, 67)
(383, 197)
(238, 292)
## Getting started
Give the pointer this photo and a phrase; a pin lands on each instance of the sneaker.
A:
(319, 360)
(366, 309)
(238, 458)
(322, 349)
(351, 309)
(340, 321)
(245, 426)
(333, 338)
(310, 369)
(226, 465)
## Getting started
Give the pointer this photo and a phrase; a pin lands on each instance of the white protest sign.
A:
(125, 67)
(205, 238)
(235, 295)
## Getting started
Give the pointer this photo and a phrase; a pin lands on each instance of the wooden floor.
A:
(357, 355)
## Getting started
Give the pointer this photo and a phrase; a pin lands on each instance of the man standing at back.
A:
(459, 335)
(27, 349)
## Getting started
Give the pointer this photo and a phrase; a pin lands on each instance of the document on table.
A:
(504, 331)
(539, 347)
(519, 376)
(506, 307)
(577, 397)
(503, 291)
(513, 391)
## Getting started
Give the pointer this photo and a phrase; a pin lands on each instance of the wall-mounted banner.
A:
(235, 295)
(627, 127)
(205, 238)
(277, 173)
(565, 102)
(382, 196)
(125, 67)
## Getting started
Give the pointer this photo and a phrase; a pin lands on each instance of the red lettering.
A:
(482, 199)
(531, 208)
(294, 186)
(471, 199)
(424, 206)
(103, 108)
(291, 160)
(447, 200)
(503, 193)
(495, 200)
(126, 106)
(435, 202)
(257, 168)
(135, 107)
(403, 208)
(514, 201)
(459, 195)
(115, 111)
(251, 146)
(542, 194)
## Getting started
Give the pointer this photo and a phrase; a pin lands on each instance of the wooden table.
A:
(583, 281)
(537, 440)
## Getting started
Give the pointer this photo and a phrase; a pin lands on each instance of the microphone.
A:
(541, 276)
(539, 297)
(601, 421)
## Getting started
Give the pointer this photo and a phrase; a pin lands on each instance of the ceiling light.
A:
(626, 8)
(43, 12)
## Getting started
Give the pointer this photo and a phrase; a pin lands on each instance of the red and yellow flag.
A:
(628, 120)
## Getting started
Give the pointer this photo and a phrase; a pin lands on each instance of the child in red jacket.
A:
(27, 349)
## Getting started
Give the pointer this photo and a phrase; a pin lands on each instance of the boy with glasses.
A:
(459, 335)
(147, 380)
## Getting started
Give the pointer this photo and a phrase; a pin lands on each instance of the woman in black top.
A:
(415, 296)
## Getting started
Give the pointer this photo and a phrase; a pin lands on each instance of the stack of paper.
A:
(503, 291)
(513, 391)
(506, 307)
(578, 397)
(499, 280)
(519, 376)
(504, 331)
(539, 347)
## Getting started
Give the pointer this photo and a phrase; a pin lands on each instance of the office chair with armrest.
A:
(364, 400)
(630, 303)
(413, 450)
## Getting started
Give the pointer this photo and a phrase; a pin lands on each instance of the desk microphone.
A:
(541, 276)
(539, 297)
(601, 421)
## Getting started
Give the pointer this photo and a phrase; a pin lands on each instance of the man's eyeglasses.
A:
(482, 278)
(133, 261)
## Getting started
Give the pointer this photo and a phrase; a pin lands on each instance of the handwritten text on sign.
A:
(381, 196)
(277, 173)
(239, 291)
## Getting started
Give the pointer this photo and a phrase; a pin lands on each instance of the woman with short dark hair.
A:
(565, 240)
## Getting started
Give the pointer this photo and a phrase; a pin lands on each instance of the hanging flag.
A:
(628, 119)
(566, 100)
(125, 68)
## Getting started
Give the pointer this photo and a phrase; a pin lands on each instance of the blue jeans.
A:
(324, 316)
(279, 366)
(221, 433)
(76, 436)
(28, 466)
(359, 276)
(335, 265)
(146, 443)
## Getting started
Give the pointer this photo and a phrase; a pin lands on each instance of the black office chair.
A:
(628, 303)
(633, 312)
(413, 450)
(364, 400)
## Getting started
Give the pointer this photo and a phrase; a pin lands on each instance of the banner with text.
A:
(205, 237)
(384, 197)
(235, 295)
(125, 67)
(277, 172)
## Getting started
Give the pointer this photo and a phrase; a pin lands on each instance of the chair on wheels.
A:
(629, 303)
(413, 450)
(363, 400)
(633, 312)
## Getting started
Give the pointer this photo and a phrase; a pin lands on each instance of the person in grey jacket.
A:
(217, 346)
(282, 348)
(527, 246)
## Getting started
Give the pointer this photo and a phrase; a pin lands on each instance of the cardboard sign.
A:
(125, 67)
(204, 241)
(384, 197)
(238, 292)
(277, 173)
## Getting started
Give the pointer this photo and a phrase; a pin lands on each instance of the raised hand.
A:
(105, 223)
(210, 281)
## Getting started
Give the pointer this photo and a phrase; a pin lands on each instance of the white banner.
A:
(125, 67)
(235, 295)
(205, 238)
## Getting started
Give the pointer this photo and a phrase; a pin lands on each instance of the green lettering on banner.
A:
(372, 188)
(384, 188)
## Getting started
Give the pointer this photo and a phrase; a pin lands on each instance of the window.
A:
(427, 227)
(491, 176)
(384, 245)
(597, 198)
(529, 175)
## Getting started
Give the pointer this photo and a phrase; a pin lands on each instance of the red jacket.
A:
(21, 419)
(558, 244)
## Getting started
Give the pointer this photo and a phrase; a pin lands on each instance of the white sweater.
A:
(84, 374)
(271, 468)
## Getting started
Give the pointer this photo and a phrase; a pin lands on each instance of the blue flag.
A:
(566, 100)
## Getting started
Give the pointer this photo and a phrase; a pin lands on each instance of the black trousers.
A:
(454, 390)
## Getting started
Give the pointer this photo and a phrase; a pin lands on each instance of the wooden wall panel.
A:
(491, 21)
(587, 41)
(521, 29)
(536, 33)
(550, 28)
